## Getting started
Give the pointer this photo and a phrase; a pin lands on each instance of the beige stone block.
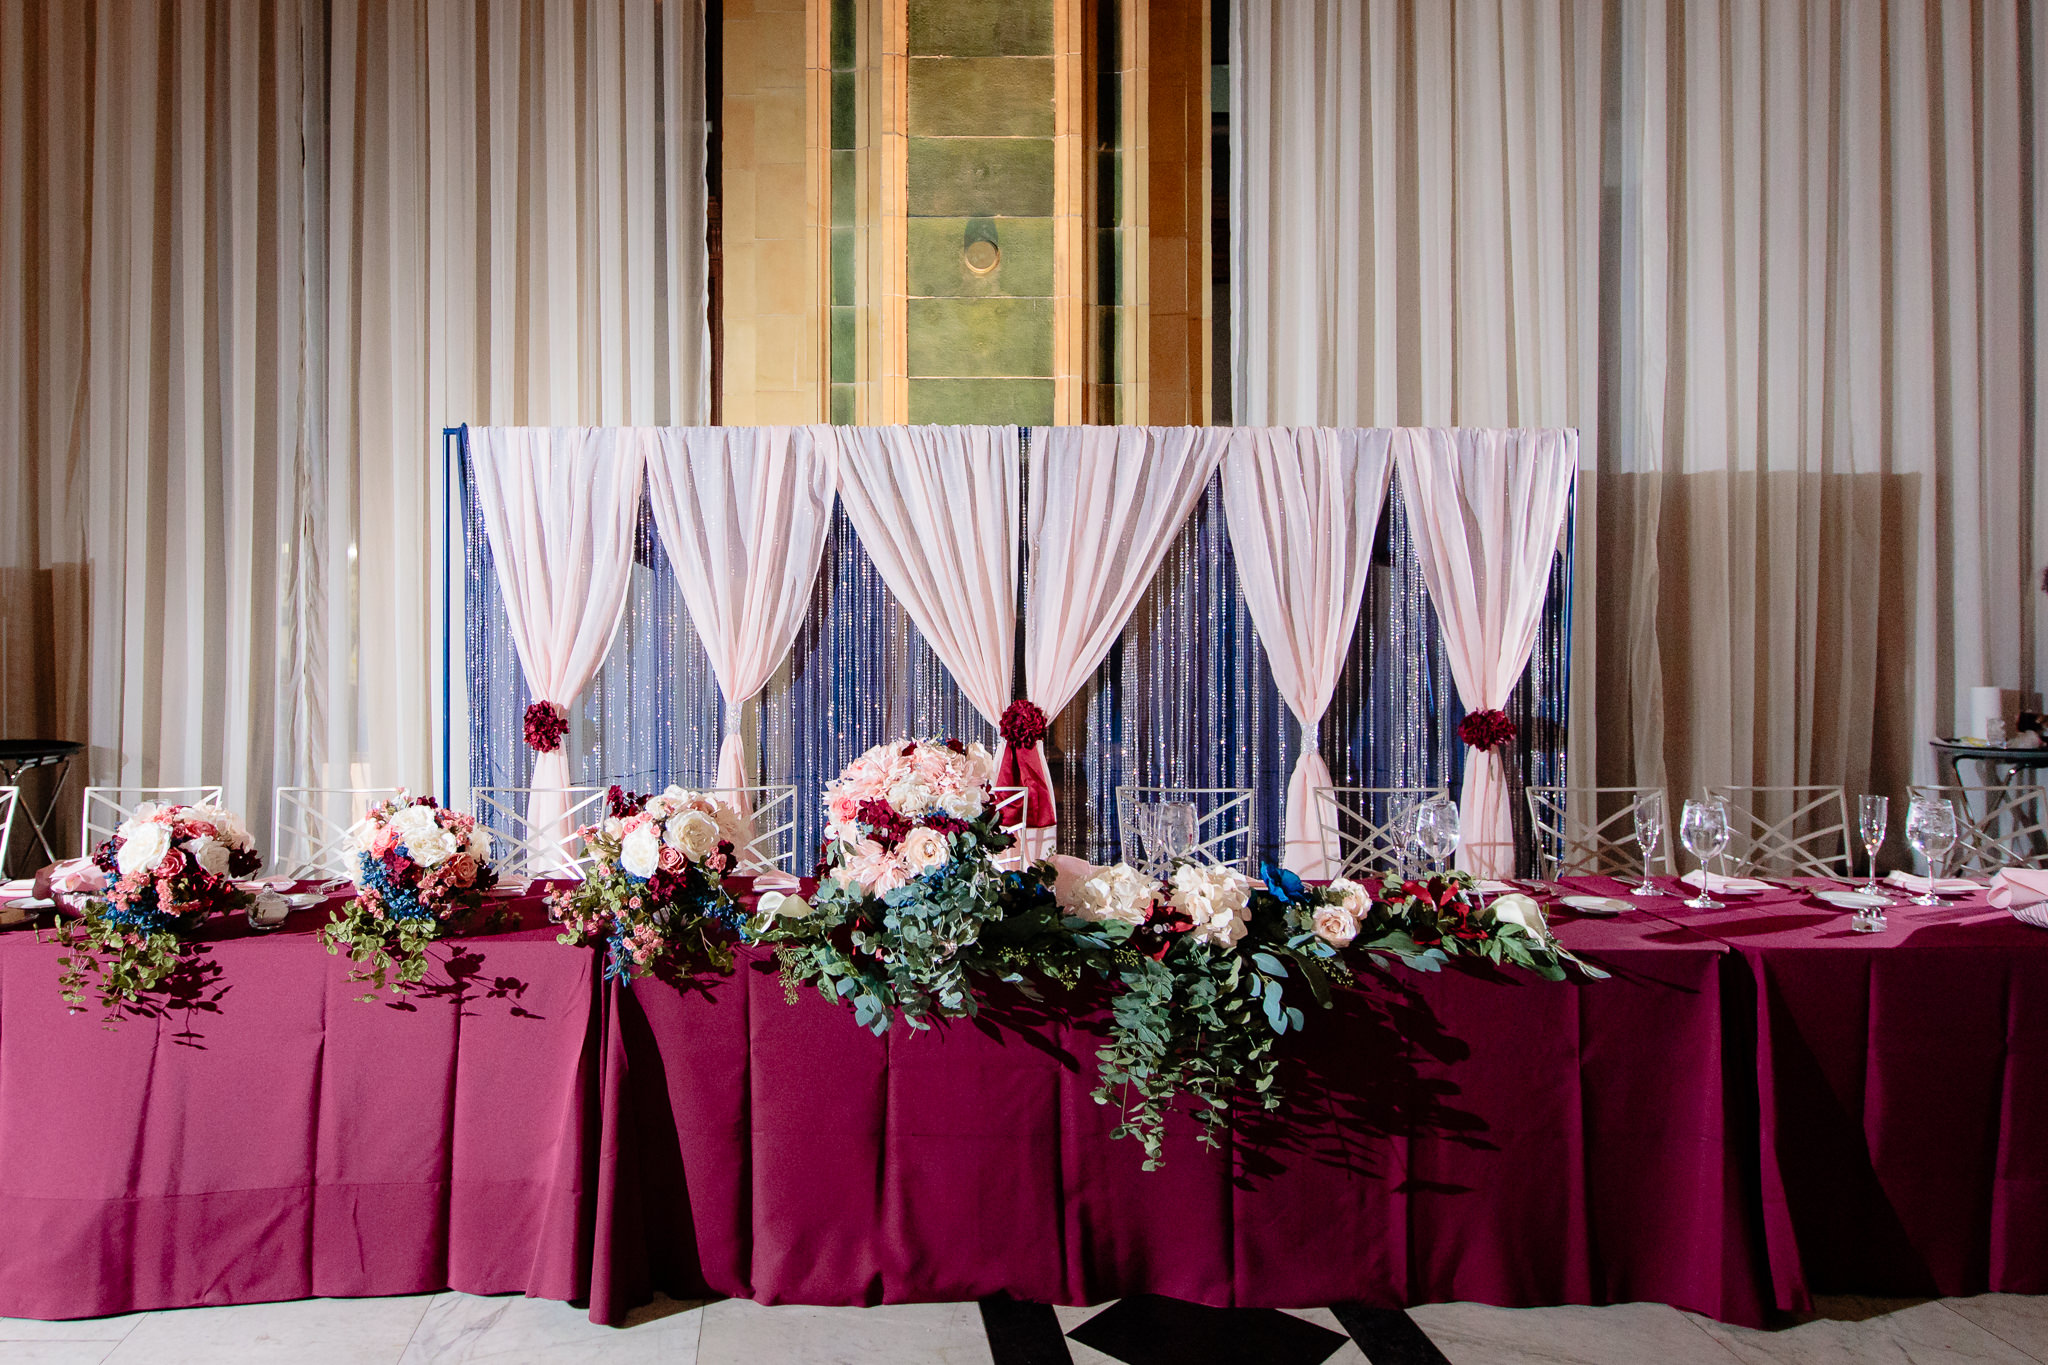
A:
(780, 202)
(781, 59)
(779, 354)
(737, 133)
(1169, 272)
(781, 284)
(779, 131)
(741, 223)
(742, 38)
(741, 298)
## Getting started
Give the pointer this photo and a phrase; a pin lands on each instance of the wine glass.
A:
(1436, 831)
(1405, 814)
(1144, 841)
(1174, 829)
(1873, 822)
(1931, 829)
(1703, 829)
(1649, 834)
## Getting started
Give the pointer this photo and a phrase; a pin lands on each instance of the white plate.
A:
(30, 903)
(304, 900)
(1852, 900)
(1596, 905)
(511, 886)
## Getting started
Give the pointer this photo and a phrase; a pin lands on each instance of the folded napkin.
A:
(775, 879)
(1734, 886)
(74, 877)
(2019, 888)
(1947, 886)
(12, 890)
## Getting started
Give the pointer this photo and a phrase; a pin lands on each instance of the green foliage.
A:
(117, 964)
(391, 953)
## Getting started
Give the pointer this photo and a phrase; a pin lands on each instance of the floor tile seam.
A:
(1699, 1324)
(1993, 1333)
(413, 1335)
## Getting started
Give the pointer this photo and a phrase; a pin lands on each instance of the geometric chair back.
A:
(1223, 821)
(312, 829)
(1996, 827)
(1788, 831)
(106, 807)
(772, 845)
(1583, 831)
(1373, 825)
(518, 849)
(10, 797)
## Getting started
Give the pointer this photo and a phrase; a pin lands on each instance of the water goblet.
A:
(1174, 825)
(1436, 831)
(1931, 829)
(1703, 829)
(1649, 815)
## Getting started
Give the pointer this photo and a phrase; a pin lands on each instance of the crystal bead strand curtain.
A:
(1185, 698)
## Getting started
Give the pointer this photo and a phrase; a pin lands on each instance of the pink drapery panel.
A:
(560, 505)
(1486, 508)
(1105, 506)
(936, 509)
(1303, 504)
(743, 513)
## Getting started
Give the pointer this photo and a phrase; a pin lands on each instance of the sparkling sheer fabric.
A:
(1185, 697)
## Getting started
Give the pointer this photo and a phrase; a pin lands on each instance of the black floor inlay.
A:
(1149, 1330)
(1388, 1336)
(1021, 1333)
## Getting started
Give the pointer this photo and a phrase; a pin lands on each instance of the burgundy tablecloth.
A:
(1904, 1084)
(1464, 1135)
(269, 1137)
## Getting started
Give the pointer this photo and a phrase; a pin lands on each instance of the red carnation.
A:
(546, 723)
(1023, 723)
(1487, 729)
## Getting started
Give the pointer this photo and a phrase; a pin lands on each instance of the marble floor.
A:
(431, 1329)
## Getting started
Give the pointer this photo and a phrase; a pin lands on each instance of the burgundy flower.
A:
(546, 723)
(1486, 729)
(889, 825)
(946, 824)
(1023, 723)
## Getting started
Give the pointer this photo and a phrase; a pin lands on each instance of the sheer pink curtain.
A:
(1303, 504)
(1486, 508)
(1106, 504)
(743, 513)
(936, 509)
(560, 506)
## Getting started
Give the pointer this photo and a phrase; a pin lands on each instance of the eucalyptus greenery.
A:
(118, 957)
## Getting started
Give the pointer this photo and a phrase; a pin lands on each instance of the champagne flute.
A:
(1649, 834)
(1931, 829)
(1703, 828)
(1873, 822)
(1143, 841)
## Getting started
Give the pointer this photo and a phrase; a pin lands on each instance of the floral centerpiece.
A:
(166, 869)
(1211, 970)
(654, 889)
(910, 903)
(420, 873)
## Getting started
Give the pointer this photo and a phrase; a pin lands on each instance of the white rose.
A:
(1516, 908)
(614, 827)
(1216, 899)
(480, 844)
(910, 797)
(432, 848)
(923, 849)
(695, 833)
(210, 854)
(413, 821)
(640, 852)
(143, 848)
(1351, 897)
(787, 906)
(1335, 925)
(962, 805)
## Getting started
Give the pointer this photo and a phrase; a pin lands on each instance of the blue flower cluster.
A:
(400, 902)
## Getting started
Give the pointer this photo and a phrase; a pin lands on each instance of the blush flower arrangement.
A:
(166, 869)
(910, 904)
(1211, 970)
(420, 872)
(655, 888)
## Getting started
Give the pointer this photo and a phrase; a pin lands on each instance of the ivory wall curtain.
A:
(253, 256)
(1303, 506)
(936, 508)
(1105, 506)
(1487, 508)
(1777, 264)
(743, 513)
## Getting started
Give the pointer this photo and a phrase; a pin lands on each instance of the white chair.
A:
(1010, 804)
(106, 807)
(518, 849)
(1787, 831)
(1372, 824)
(1996, 827)
(313, 829)
(772, 848)
(1584, 831)
(1223, 820)
(10, 798)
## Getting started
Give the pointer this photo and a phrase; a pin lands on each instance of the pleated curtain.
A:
(743, 513)
(253, 257)
(1778, 265)
(1105, 506)
(1303, 505)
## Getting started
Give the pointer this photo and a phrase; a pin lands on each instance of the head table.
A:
(1758, 1105)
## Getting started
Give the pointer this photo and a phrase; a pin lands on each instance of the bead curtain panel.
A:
(1778, 264)
(253, 255)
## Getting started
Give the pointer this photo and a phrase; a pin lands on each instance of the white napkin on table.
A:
(2019, 888)
(1957, 886)
(1734, 886)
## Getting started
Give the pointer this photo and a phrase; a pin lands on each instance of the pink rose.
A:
(672, 859)
(1335, 925)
